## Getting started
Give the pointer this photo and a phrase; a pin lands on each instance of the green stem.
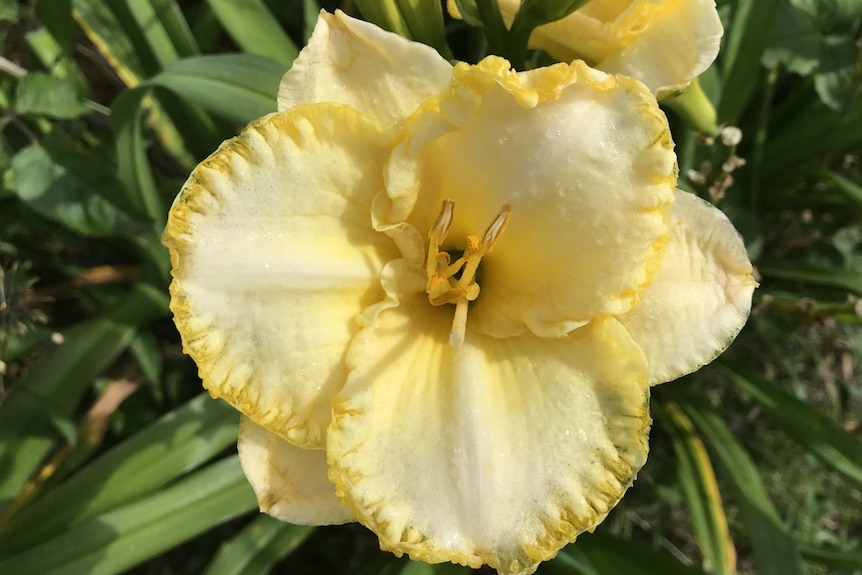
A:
(695, 108)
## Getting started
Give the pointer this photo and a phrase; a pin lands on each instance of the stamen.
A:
(442, 223)
(442, 287)
(459, 324)
(495, 230)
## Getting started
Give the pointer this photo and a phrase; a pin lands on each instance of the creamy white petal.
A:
(290, 482)
(274, 256)
(498, 453)
(584, 160)
(702, 296)
(677, 46)
(348, 61)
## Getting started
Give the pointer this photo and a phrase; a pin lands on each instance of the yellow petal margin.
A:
(352, 62)
(585, 161)
(273, 257)
(702, 296)
(290, 482)
(498, 453)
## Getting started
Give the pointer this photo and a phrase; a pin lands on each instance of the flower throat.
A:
(455, 282)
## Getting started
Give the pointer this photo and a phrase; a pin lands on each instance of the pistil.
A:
(442, 286)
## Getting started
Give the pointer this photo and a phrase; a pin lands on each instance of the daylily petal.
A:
(586, 162)
(677, 46)
(274, 256)
(290, 482)
(663, 43)
(348, 61)
(499, 452)
(702, 296)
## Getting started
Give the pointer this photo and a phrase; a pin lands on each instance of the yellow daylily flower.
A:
(439, 294)
(663, 43)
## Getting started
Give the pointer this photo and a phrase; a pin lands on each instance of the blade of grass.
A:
(701, 490)
(253, 27)
(258, 547)
(775, 552)
(798, 420)
(178, 442)
(121, 538)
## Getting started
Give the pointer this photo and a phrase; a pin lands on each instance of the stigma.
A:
(445, 285)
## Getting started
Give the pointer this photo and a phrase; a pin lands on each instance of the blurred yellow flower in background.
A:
(663, 43)
(439, 295)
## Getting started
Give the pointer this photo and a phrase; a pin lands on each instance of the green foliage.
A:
(110, 455)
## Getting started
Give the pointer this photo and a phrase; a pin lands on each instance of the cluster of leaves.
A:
(109, 454)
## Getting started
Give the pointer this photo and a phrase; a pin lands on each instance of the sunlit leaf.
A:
(178, 442)
(239, 87)
(39, 93)
(775, 552)
(258, 547)
(253, 27)
(121, 538)
(701, 490)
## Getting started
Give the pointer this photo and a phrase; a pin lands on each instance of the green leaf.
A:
(178, 442)
(165, 29)
(10, 11)
(774, 550)
(386, 14)
(811, 273)
(837, 78)
(814, 431)
(851, 189)
(121, 538)
(153, 31)
(424, 20)
(253, 27)
(239, 87)
(795, 42)
(39, 93)
(258, 547)
(65, 184)
(847, 561)
(147, 351)
(823, 131)
(55, 387)
(469, 12)
(701, 490)
(133, 165)
(56, 16)
(534, 13)
(600, 554)
(310, 12)
(747, 36)
(109, 37)
(833, 15)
